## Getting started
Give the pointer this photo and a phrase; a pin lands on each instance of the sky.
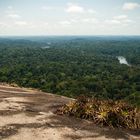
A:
(69, 17)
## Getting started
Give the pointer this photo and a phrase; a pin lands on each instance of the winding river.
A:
(123, 60)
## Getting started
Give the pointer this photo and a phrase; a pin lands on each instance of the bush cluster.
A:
(104, 112)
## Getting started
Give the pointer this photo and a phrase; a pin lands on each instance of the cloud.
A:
(2, 24)
(79, 21)
(90, 20)
(120, 17)
(91, 11)
(14, 16)
(10, 7)
(113, 21)
(130, 6)
(21, 23)
(27, 24)
(119, 20)
(11, 13)
(73, 20)
(65, 23)
(72, 8)
(77, 9)
(123, 19)
(47, 8)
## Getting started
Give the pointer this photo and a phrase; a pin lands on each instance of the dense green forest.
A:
(72, 66)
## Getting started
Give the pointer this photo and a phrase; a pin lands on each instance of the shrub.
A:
(103, 112)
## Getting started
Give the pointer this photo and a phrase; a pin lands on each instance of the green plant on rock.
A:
(104, 112)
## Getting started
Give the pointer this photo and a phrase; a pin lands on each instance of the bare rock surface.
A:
(27, 114)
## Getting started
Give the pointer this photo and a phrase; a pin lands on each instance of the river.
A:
(123, 60)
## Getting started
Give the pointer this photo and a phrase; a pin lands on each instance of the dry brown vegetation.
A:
(104, 112)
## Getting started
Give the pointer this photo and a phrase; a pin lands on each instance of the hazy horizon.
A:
(69, 35)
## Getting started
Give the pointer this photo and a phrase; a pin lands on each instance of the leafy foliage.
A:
(103, 112)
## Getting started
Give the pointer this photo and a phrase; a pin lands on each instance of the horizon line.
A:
(61, 35)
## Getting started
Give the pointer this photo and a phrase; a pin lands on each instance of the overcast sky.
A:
(69, 17)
